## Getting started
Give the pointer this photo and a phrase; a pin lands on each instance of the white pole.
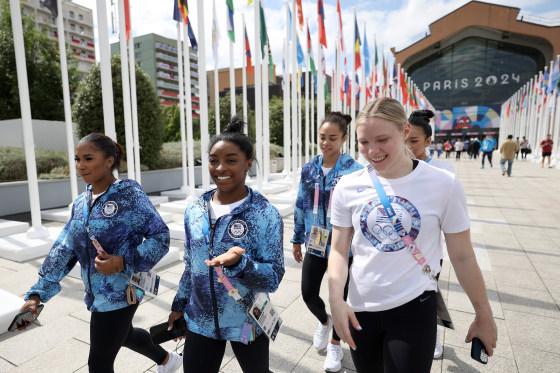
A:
(363, 74)
(258, 91)
(299, 116)
(127, 110)
(231, 79)
(354, 91)
(216, 81)
(134, 101)
(312, 126)
(188, 106)
(306, 100)
(182, 106)
(37, 230)
(294, 98)
(265, 122)
(66, 98)
(287, 139)
(105, 63)
(204, 136)
(320, 93)
(245, 115)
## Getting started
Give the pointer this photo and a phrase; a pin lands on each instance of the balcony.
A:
(166, 57)
(162, 84)
(166, 66)
(166, 48)
(161, 74)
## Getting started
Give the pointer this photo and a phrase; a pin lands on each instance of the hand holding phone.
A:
(478, 351)
(23, 319)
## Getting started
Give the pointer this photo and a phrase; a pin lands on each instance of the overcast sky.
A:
(395, 23)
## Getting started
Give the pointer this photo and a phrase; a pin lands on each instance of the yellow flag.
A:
(249, 2)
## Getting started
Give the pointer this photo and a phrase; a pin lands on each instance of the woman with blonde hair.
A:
(391, 214)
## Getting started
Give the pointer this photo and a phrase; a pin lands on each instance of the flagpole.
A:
(105, 64)
(299, 134)
(215, 46)
(204, 136)
(353, 90)
(188, 106)
(182, 108)
(294, 98)
(312, 122)
(66, 100)
(134, 102)
(258, 91)
(231, 75)
(363, 94)
(286, 103)
(244, 74)
(125, 79)
(37, 230)
(265, 122)
(307, 102)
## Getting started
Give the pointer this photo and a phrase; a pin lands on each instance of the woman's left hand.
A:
(107, 264)
(229, 258)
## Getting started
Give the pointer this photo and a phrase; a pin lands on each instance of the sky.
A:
(393, 23)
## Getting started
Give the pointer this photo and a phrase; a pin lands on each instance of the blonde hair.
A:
(388, 109)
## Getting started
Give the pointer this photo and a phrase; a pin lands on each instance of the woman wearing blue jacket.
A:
(235, 232)
(113, 231)
(312, 226)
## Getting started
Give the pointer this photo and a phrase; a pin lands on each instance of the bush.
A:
(13, 167)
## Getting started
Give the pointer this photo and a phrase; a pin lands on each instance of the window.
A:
(81, 17)
(138, 55)
(137, 45)
(71, 14)
(139, 64)
(72, 27)
(81, 29)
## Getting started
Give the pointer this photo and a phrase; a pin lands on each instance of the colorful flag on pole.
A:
(300, 14)
(554, 76)
(180, 11)
(321, 13)
(230, 28)
(192, 38)
(215, 37)
(247, 51)
(249, 2)
(300, 55)
(357, 44)
(367, 56)
(264, 35)
(52, 6)
(270, 63)
(340, 36)
(310, 53)
(404, 87)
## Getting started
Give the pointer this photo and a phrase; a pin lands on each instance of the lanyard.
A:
(86, 208)
(233, 292)
(317, 186)
(403, 234)
(427, 160)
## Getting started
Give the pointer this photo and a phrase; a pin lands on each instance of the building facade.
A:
(157, 57)
(78, 29)
(475, 58)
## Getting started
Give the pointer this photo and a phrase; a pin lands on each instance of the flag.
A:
(321, 13)
(310, 53)
(284, 77)
(215, 37)
(300, 14)
(554, 76)
(249, 2)
(230, 29)
(127, 19)
(192, 38)
(357, 43)
(247, 51)
(270, 63)
(300, 55)
(340, 37)
(367, 56)
(404, 87)
(52, 6)
(180, 11)
(264, 35)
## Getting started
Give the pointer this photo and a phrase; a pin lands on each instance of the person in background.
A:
(546, 146)
(475, 147)
(448, 147)
(524, 146)
(439, 148)
(458, 149)
(432, 148)
(312, 213)
(518, 142)
(508, 150)
(113, 232)
(488, 146)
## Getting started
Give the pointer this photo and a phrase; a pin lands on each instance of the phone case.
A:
(160, 334)
(24, 318)
(478, 351)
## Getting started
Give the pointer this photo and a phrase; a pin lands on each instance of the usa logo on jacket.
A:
(237, 229)
(110, 208)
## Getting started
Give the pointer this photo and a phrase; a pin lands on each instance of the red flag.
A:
(404, 87)
(300, 14)
(321, 13)
(341, 39)
(248, 52)
(127, 18)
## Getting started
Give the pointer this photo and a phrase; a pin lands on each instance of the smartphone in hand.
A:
(24, 318)
(478, 351)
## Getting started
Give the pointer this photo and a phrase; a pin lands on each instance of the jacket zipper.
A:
(211, 275)
(88, 246)
(323, 200)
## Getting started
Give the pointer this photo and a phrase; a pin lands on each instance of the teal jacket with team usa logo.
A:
(125, 223)
(255, 226)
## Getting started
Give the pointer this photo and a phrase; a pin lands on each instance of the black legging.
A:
(312, 273)
(399, 340)
(203, 354)
(113, 329)
(489, 155)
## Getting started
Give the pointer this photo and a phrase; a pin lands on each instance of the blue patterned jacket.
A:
(255, 226)
(125, 222)
(303, 211)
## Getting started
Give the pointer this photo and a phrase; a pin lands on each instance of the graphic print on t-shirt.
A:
(377, 227)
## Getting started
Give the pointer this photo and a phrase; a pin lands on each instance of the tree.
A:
(43, 71)
(88, 110)
(225, 114)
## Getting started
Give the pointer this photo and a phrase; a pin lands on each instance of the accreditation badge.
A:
(147, 281)
(268, 318)
(318, 240)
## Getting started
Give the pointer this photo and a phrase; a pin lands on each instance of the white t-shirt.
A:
(326, 170)
(442, 164)
(383, 274)
(217, 210)
(459, 146)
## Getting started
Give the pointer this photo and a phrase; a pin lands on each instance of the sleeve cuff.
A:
(238, 268)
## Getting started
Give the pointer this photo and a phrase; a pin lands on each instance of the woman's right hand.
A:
(174, 315)
(296, 250)
(341, 314)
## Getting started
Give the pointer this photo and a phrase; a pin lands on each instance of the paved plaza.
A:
(515, 229)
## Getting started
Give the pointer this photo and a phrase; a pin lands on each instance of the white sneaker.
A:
(438, 351)
(333, 361)
(175, 361)
(321, 338)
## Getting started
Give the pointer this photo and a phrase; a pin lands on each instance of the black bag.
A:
(160, 334)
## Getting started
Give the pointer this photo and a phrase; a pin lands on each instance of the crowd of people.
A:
(377, 228)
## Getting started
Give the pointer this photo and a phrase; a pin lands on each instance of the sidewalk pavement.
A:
(515, 230)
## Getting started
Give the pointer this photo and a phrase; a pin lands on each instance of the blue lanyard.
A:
(318, 187)
(427, 160)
